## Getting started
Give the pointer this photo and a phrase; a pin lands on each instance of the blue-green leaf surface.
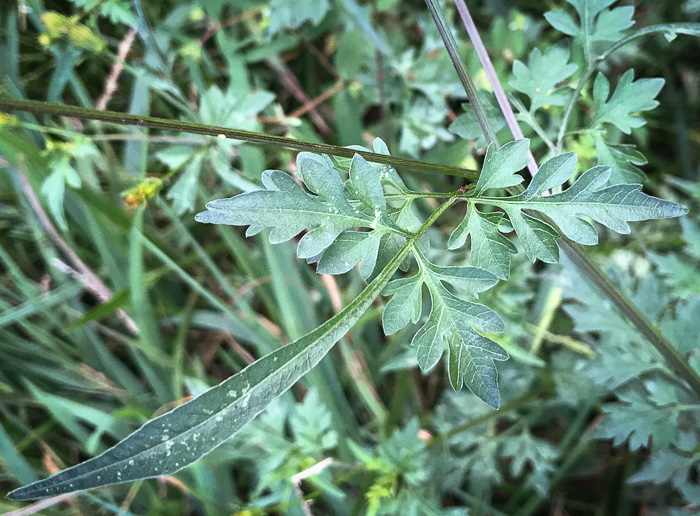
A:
(539, 79)
(589, 197)
(453, 323)
(629, 98)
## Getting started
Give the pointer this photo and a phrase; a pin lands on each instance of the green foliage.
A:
(204, 355)
(613, 206)
(629, 97)
(467, 126)
(539, 79)
(292, 15)
(599, 27)
(117, 11)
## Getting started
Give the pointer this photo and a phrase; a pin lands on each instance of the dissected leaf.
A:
(453, 322)
(630, 97)
(490, 249)
(539, 79)
(287, 209)
(598, 25)
(636, 420)
(613, 206)
(622, 160)
(538, 454)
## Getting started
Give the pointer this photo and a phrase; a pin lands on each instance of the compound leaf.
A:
(613, 206)
(326, 211)
(182, 436)
(636, 420)
(598, 26)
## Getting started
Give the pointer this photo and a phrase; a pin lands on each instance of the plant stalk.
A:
(46, 108)
(451, 46)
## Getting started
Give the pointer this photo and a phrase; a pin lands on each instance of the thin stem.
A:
(33, 106)
(587, 72)
(518, 402)
(529, 118)
(451, 46)
(674, 359)
(492, 77)
(85, 275)
(691, 29)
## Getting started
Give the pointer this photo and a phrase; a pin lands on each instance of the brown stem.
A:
(46, 108)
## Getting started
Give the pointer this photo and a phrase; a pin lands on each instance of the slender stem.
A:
(529, 118)
(674, 359)
(689, 28)
(451, 46)
(518, 402)
(587, 72)
(492, 77)
(33, 106)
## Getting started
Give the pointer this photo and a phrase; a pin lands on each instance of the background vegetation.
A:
(101, 329)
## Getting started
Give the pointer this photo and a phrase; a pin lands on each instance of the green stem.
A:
(518, 402)
(587, 72)
(674, 359)
(451, 46)
(689, 28)
(594, 274)
(529, 118)
(33, 106)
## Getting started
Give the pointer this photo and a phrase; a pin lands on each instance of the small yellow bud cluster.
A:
(60, 27)
(140, 194)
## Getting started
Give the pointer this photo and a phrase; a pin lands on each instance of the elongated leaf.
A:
(288, 210)
(331, 211)
(182, 436)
